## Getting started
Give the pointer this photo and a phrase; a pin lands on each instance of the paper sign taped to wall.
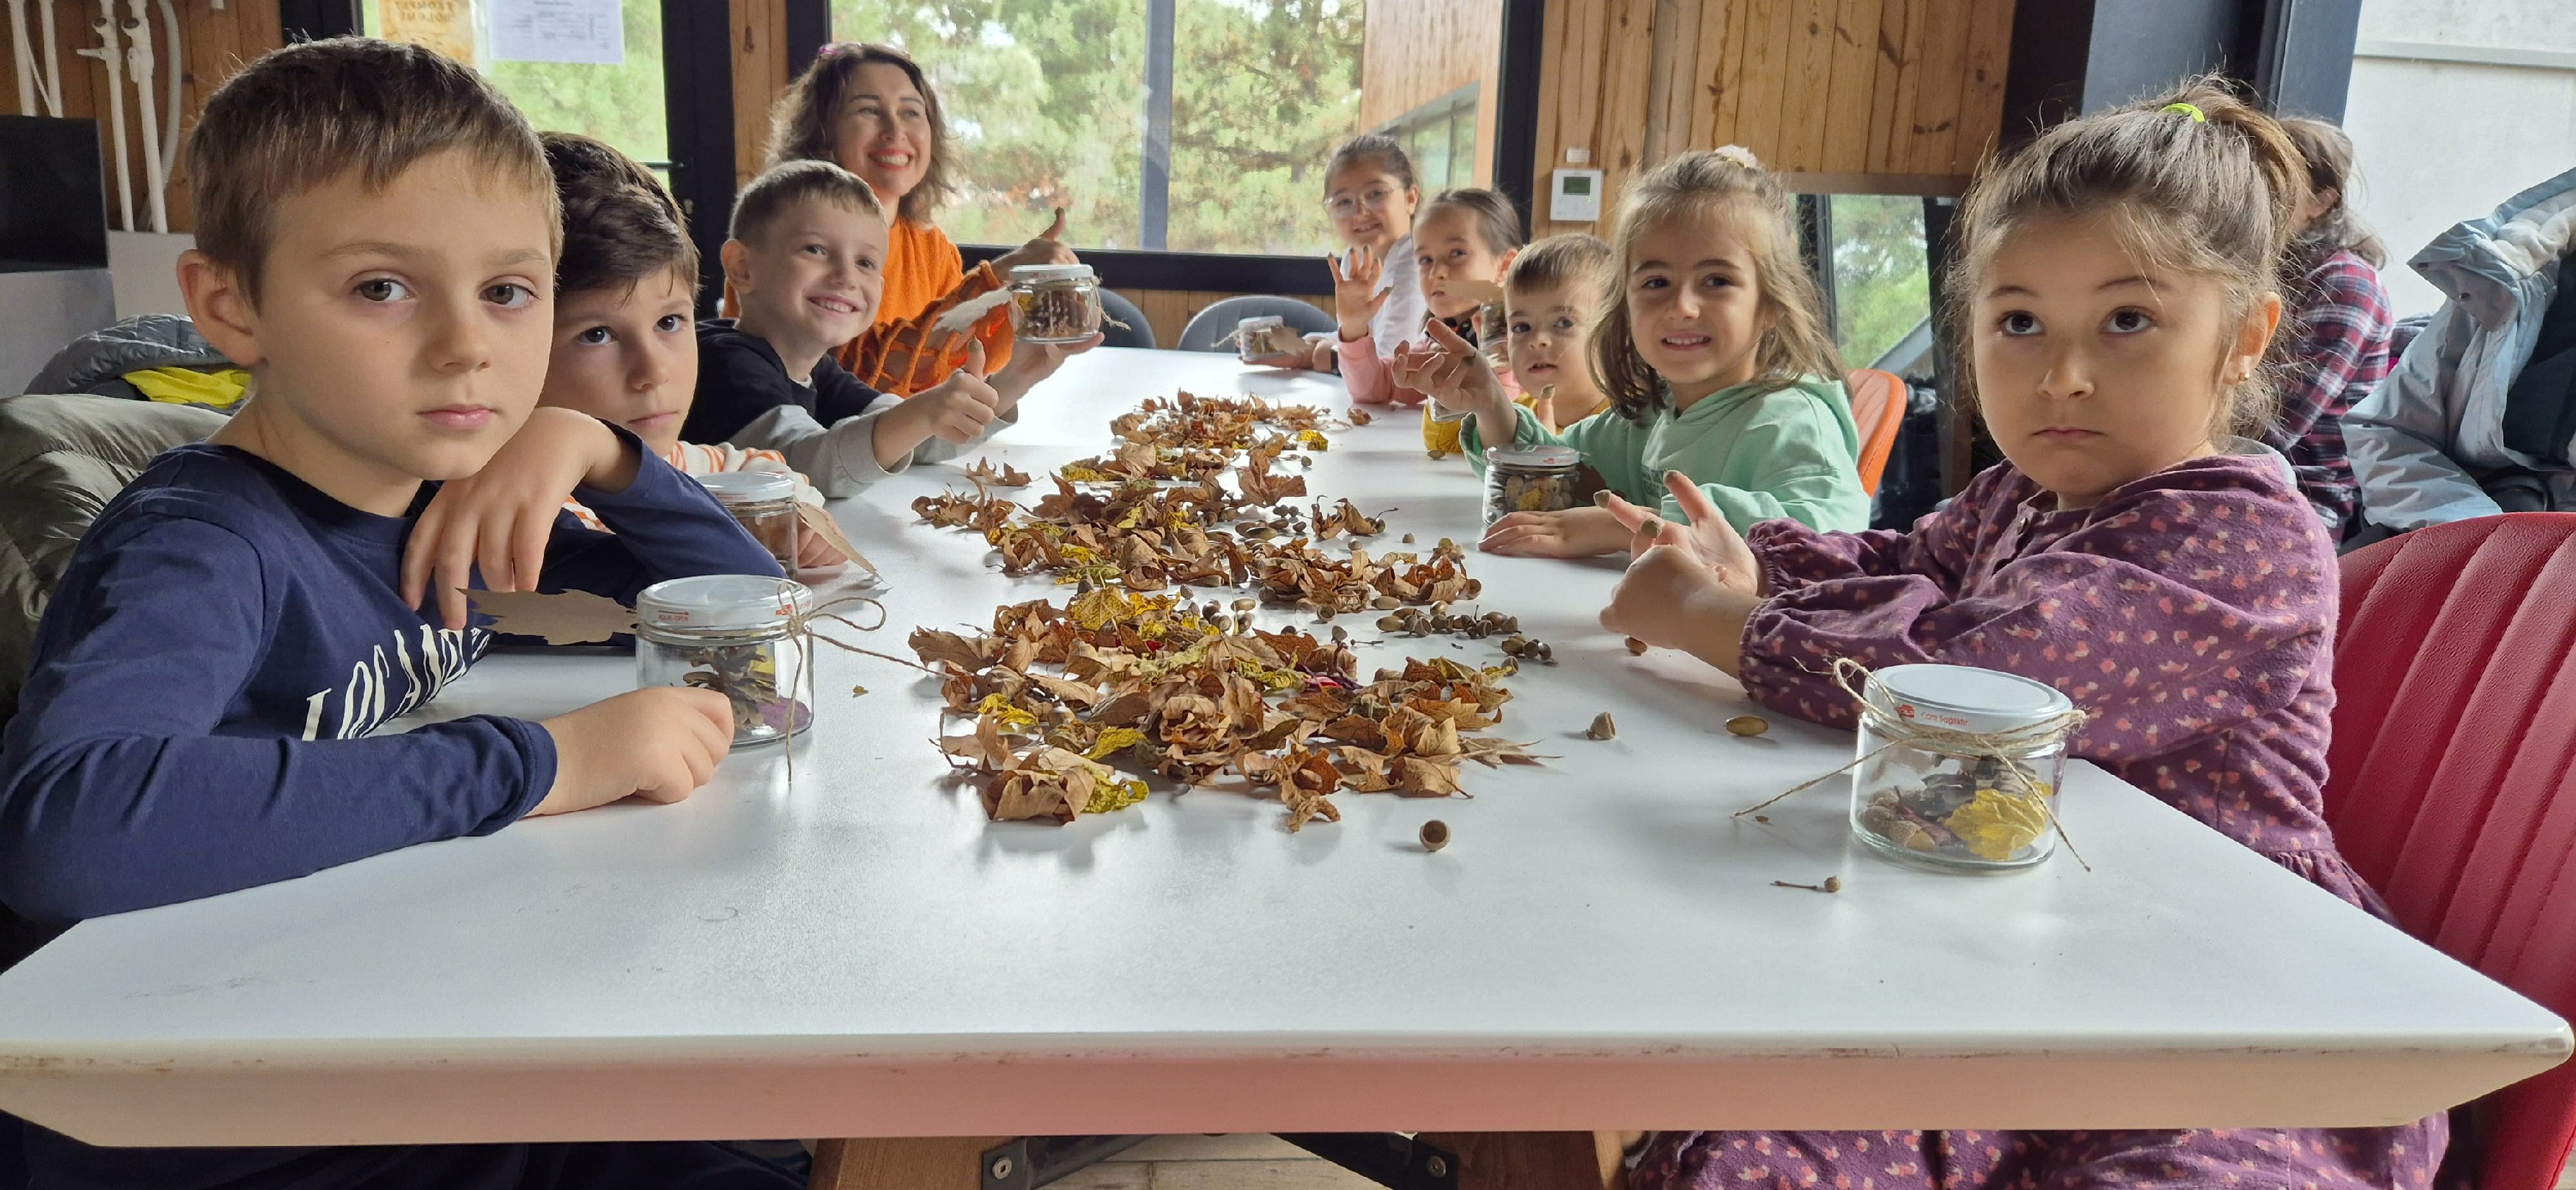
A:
(581, 32)
(444, 26)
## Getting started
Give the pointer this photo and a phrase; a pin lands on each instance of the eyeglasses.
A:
(1374, 198)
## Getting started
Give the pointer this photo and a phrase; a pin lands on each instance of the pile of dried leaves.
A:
(1131, 671)
(1183, 692)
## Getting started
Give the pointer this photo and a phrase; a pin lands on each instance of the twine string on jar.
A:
(801, 628)
(1998, 746)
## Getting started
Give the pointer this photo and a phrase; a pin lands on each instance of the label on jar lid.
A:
(1964, 698)
(1534, 458)
(723, 601)
(1033, 274)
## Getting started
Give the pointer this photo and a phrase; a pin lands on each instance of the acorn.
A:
(1748, 725)
(1636, 648)
(1602, 728)
(1435, 835)
(1390, 623)
(1386, 603)
(1245, 605)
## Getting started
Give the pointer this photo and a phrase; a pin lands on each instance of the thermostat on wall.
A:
(1575, 196)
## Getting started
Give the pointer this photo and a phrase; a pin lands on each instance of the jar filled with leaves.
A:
(1531, 479)
(1059, 303)
(739, 635)
(765, 503)
(1265, 337)
(1959, 766)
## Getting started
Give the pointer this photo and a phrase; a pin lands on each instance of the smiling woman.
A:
(869, 109)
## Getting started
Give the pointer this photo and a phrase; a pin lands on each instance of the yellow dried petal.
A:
(1997, 825)
(1000, 708)
(1113, 740)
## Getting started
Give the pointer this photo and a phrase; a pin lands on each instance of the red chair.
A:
(1878, 408)
(2454, 777)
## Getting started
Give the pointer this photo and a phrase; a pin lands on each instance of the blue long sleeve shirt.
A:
(207, 675)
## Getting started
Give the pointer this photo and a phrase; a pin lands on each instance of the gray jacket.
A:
(98, 361)
(2425, 438)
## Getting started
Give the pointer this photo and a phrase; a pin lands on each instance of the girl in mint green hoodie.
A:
(1712, 348)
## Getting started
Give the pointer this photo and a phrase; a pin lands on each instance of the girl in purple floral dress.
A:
(2118, 287)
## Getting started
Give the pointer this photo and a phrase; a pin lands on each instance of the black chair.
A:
(1208, 329)
(1138, 332)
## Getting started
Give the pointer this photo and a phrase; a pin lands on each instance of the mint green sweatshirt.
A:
(1791, 452)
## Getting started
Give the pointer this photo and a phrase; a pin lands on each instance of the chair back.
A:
(1208, 328)
(1137, 333)
(1878, 408)
(2453, 786)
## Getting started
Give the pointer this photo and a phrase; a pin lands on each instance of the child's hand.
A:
(1573, 533)
(813, 551)
(1449, 370)
(661, 742)
(1048, 248)
(1672, 599)
(1356, 297)
(1031, 363)
(1708, 539)
(502, 516)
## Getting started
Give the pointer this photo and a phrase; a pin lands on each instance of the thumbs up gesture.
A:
(1048, 248)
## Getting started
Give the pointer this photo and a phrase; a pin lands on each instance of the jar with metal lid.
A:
(1059, 303)
(1959, 766)
(1265, 337)
(765, 503)
(1531, 479)
(735, 634)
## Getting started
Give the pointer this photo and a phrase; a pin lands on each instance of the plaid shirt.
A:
(2339, 352)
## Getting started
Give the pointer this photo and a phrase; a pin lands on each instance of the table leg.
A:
(884, 1163)
(1533, 1160)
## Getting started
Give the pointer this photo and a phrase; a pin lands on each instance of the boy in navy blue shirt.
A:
(376, 242)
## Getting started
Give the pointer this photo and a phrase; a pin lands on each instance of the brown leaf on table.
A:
(936, 647)
(1361, 417)
(1008, 477)
(1416, 777)
(984, 749)
(819, 522)
(1495, 753)
(565, 618)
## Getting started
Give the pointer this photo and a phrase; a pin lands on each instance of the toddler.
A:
(1550, 298)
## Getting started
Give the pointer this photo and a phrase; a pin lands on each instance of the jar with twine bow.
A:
(1957, 767)
(748, 637)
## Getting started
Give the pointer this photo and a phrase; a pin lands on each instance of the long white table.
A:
(1600, 946)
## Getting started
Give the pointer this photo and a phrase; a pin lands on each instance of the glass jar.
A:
(1059, 303)
(1959, 766)
(1531, 479)
(1265, 337)
(734, 634)
(765, 503)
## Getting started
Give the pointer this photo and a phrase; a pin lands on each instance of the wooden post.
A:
(874, 1163)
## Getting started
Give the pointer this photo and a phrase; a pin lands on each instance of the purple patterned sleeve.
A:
(2171, 614)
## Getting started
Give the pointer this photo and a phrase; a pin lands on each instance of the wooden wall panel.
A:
(1415, 51)
(1845, 96)
(759, 78)
(215, 44)
(1171, 309)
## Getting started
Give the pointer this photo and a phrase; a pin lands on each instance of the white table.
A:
(1600, 946)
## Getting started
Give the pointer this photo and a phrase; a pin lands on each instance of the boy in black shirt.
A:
(806, 258)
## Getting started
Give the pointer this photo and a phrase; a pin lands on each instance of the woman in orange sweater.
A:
(869, 109)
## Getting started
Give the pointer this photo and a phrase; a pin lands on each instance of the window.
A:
(1440, 136)
(587, 66)
(1881, 292)
(1047, 104)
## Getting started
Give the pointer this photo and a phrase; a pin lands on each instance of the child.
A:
(2337, 348)
(807, 243)
(1377, 282)
(1714, 357)
(1463, 243)
(870, 110)
(625, 350)
(2116, 286)
(1550, 298)
(376, 236)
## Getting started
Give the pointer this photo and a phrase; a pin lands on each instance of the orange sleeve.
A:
(925, 278)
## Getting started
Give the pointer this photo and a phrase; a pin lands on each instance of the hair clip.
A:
(835, 49)
(1737, 154)
(2185, 109)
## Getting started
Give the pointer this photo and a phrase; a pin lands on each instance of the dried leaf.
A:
(819, 522)
(565, 618)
